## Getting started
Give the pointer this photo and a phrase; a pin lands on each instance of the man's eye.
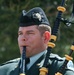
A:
(30, 33)
(19, 33)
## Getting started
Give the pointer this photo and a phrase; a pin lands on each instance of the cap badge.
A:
(37, 15)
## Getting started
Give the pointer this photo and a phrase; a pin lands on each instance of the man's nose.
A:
(24, 38)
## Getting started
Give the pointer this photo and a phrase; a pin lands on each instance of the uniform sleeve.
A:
(8, 66)
(3, 70)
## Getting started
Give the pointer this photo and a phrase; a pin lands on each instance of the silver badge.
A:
(38, 16)
(70, 65)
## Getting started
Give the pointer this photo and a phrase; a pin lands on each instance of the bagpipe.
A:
(44, 70)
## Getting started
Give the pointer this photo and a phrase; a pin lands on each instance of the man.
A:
(34, 33)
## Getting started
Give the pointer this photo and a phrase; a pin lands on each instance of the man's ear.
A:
(47, 35)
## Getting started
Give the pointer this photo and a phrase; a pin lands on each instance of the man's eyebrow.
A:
(30, 31)
(26, 31)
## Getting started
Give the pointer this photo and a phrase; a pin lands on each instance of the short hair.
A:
(42, 28)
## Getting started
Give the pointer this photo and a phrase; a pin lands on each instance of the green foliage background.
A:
(10, 11)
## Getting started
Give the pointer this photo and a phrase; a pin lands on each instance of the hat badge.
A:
(37, 15)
